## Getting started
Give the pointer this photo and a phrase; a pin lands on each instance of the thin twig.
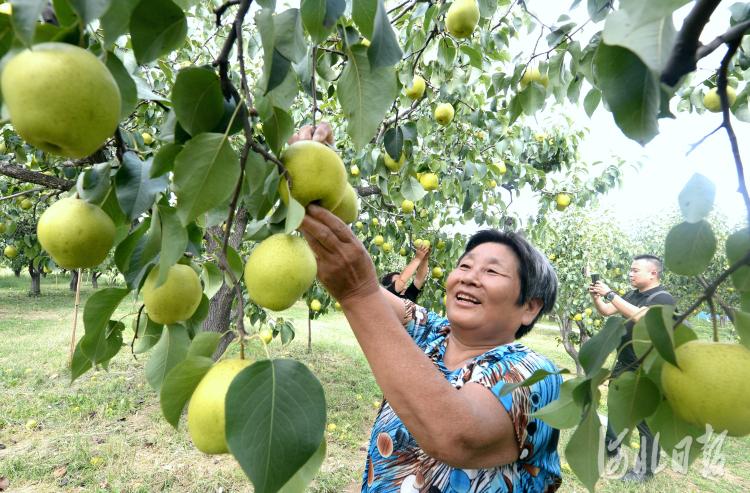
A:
(737, 31)
(75, 319)
(703, 139)
(219, 11)
(714, 323)
(235, 197)
(507, 12)
(135, 333)
(313, 88)
(20, 194)
(404, 12)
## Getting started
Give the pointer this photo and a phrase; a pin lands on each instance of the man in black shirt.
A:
(395, 282)
(645, 277)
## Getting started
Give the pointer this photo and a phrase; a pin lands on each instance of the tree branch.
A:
(683, 58)
(27, 176)
(736, 32)
(368, 191)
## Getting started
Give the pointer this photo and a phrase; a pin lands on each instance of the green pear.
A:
(429, 181)
(317, 173)
(348, 209)
(206, 417)
(176, 299)
(10, 251)
(712, 101)
(462, 18)
(393, 165)
(76, 234)
(711, 386)
(280, 269)
(444, 113)
(417, 88)
(61, 99)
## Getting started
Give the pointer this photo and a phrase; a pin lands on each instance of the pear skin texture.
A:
(712, 385)
(176, 299)
(61, 99)
(444, 113)
(462, 18)
(348, 209)
(393, 165)
(76, 234)
(280, 269)
(206, 418)
(317, 172)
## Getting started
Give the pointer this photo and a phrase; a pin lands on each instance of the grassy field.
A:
(105, 433)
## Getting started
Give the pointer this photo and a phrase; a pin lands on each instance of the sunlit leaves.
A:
(24, 18)
(205, 172)
(128, 91)
(595, 351)
(689, 248)
(319, 16)
(651, 39)
(136, 190)
(179, 385)
(632, 397)
(630, 89)
(169, 351)
(274, 409)
(90, 10)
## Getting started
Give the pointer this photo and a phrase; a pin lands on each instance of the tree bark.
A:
(220, 305)
(36, 280)
(95, 275)
(73, 280)
(566, 330)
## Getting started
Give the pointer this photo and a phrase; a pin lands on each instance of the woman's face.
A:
(482, 292)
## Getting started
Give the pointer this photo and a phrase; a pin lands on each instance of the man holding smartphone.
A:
(645, 278)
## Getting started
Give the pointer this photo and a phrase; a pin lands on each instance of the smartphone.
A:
(594, 278)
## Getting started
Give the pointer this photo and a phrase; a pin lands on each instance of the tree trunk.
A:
(17, 271)
(95, 275)
(566, 329)
(309, 332)
(36, 280)
(220, 306)
(73, 279)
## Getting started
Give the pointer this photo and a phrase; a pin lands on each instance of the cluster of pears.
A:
(61, 99)
(282, 267)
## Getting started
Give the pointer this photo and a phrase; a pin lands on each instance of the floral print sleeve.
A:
(422, 326)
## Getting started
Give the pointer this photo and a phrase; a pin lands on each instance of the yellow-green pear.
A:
(317, 173)
(375, 221)
(417, 88)
(176, 299)
(712, 101)
(10, 251)
(378, 240)
(429, 181)
(348, 209)
(532, 74)
(462, 18)
(402, 251)
(562, 201)
(148, 139)
(206, 417)
(711, 386)
(387, 247)
(359, 225)
(437, 272)
(407, 206)
(76, 234)
(393, 165)
(61, 99)
(280, 269)
(444, 113)
(266, 335)
(354, 170)
(315, 305)
(26, 204)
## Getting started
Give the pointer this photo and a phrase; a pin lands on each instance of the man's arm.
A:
(617, 305)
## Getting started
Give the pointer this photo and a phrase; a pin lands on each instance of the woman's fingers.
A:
(323, 133)
(331, 221)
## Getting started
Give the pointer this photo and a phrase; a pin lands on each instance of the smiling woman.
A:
(445, 423)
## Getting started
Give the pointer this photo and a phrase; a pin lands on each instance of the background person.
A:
(396, 282)
(645, 277)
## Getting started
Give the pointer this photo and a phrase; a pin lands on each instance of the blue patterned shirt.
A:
(395, 463)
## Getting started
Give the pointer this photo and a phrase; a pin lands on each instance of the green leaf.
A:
(197, 99)
(393, 140)
(365, 95)
(116, 20)
(179, 385)
(174, 241)
(595, 351)
(304, 476)
(659, 326)
(363, 14)
(156, 28)
(582, 450)
(96, 314)
(689, 248)
(446, 52)
(742, 325)
(564, 412)
(194, 324)
(384, 50)
(261, 185)
(7, 35)
(532, 98)
(295, 213)
(672, 430)
(136, 190)
(80, 364)
(24, 19)
(535, 377)
(126, 84)
(697, 198)
(630, 89)
(64, 12)
(632, 397)
(738, 245)
(168, 352)
(205, 173)
(149, 333)
(90, 10)
(164, 159)
(204, 344)
(274, 409)
(277, 129)
(598, 9)
(319, 17)
(591, 101)
(93, 184)
(212, 279)
(651, 39)
(412, 190)
(647, 11)
(289, 39)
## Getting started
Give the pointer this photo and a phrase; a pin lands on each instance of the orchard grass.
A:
(105, 431)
